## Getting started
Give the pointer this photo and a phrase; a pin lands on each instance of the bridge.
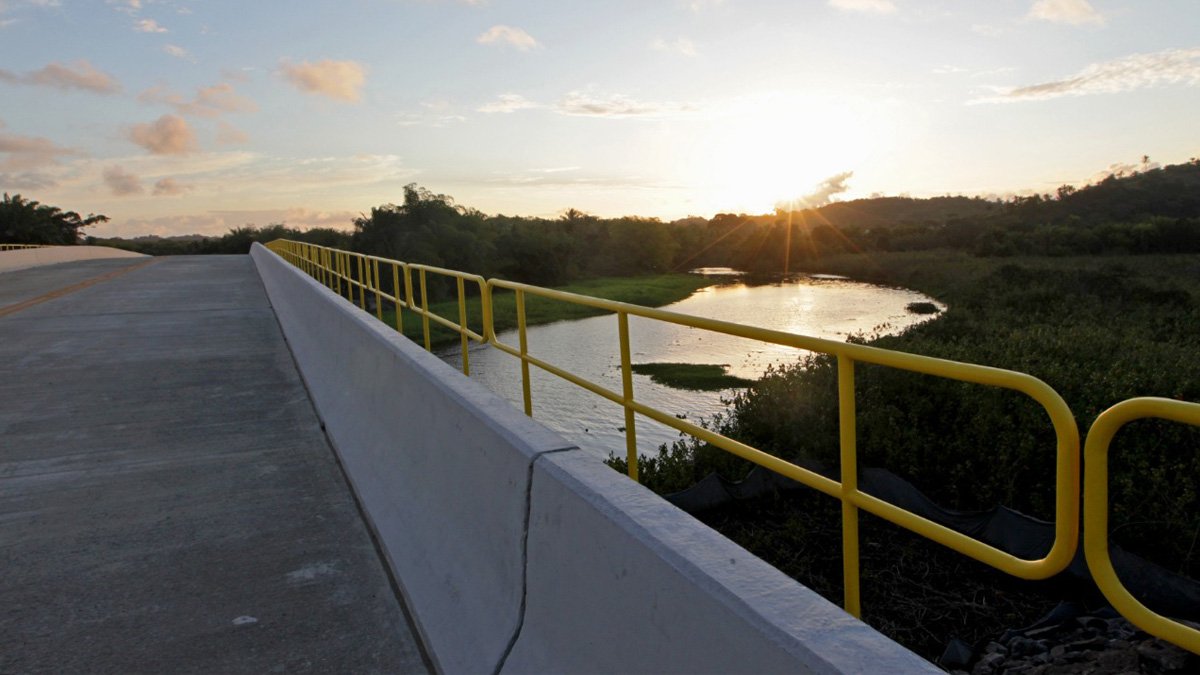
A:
(169, 501)
(218, 464)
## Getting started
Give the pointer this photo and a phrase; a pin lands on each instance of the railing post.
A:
(396, 295)
(631, 457)
(520, 297)
(425, 311)
(849, 464)
(462, 324)
(408, 290)
(378, 295)
(362, 284)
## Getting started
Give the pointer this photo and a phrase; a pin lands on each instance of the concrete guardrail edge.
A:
(607, 575)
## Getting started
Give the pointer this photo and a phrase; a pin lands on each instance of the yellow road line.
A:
(26, 304)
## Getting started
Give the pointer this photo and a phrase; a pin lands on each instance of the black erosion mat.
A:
(1160, 589)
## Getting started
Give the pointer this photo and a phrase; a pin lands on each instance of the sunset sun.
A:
(776, 148)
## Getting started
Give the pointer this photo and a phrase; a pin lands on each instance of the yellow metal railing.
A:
(356, 275)
(14, 247)
(1095, 513)
(1067, 493)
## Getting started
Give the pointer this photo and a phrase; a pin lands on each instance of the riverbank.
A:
(1097, 329)
(649, 291)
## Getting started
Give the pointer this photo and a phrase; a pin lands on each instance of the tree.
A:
(24, 221)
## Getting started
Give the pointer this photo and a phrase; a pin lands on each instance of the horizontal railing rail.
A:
(359, 277)
(358, 272)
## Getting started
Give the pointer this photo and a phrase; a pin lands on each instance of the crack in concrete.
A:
(512, 642)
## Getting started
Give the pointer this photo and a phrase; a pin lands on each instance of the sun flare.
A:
(777, 148)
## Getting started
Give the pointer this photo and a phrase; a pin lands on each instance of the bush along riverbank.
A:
(1098, 329)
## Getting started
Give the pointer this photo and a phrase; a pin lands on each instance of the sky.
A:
(196, 116)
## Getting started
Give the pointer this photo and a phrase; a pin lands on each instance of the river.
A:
(816, 305)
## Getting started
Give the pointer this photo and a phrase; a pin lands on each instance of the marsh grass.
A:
(648, 291)
(692, 376)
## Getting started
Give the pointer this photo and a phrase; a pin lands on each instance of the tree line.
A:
(1144, 212)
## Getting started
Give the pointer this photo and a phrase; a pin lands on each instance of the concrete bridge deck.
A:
(168, 501)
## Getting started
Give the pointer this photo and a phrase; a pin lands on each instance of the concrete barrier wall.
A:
(518, 552)
(22, 258)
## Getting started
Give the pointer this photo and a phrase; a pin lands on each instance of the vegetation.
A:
(24, 221)
(922, 308)
(237, 241)
(693, 376)
(649, 291)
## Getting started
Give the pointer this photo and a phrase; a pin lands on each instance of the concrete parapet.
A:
(517, 552)
(23, 258)
(619, 580)
(440, 465)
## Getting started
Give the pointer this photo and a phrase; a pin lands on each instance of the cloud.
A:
(77, 75)
(168, 135)
(169, 187)
(122, 183)
(1074, 12)
(681, 46)
(177, 51)
(436, 113)
(507, 103)
(701, 5)
(424, 120)
(870, 6)
(1138, 71)
(835, 184)
(148, 26)
(21, 153)
(216, 223)
(339, 80)
(616, 105)
(29, 180)
(227, 134)
(1120, 169)
(507, 35)
(127, 6)
(6, 6)
(209, 101)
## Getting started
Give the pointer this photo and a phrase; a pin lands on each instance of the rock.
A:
(1115, 662)
(1023, 646)
(1087, 644)
(1163, 655)
(1044, 633)
(989, 664)
(956, 655)
(1093, 622)
(995, 648)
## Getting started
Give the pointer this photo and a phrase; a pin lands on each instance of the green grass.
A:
(649, 291)
(691, 376)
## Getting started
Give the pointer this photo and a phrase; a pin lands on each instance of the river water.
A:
(817, 305)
